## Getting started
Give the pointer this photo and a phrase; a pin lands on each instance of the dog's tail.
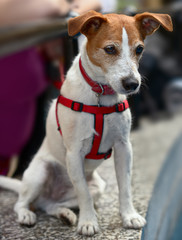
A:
(10, 184)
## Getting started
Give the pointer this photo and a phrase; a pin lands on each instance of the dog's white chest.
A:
(116, 127)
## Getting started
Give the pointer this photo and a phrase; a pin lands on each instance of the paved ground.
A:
(151, 144)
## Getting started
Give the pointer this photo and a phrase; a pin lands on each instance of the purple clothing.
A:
(22, 79)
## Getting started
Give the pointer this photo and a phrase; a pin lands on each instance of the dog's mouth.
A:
(127, 92)
(130, 92)
(126, 85)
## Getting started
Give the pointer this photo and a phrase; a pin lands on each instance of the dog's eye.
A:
(139, 49)
(110, 49)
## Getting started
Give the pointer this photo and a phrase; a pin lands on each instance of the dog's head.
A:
(116, 43)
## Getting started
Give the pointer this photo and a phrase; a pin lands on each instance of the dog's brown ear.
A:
(148, 23)
(87, 23)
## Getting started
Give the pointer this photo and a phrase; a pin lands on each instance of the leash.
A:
(97, 111)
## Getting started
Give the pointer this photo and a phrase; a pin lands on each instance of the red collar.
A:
(96, 87)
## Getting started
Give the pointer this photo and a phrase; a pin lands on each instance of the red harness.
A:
(97, 111)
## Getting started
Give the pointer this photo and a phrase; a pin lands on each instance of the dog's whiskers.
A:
(143, 83)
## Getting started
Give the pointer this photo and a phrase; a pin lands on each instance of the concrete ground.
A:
(151, 144)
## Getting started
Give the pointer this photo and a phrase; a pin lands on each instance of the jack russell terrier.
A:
(90, 118)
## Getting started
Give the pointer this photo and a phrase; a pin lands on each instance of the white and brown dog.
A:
(93, 118)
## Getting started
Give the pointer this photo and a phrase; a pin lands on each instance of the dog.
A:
(90, 118)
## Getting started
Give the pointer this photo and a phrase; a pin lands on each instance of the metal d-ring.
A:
(98, 95)
(100, 85)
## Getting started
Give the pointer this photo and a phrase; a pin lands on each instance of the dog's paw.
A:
(67, 216)
(88, 228)
(133, 220)
(26, 217)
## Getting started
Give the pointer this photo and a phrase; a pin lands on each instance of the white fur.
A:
(124, 67)
(59, 177)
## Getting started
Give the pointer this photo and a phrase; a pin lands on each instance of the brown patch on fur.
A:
(101, 30)
(153, 23)
(87, 23)
(111, 31)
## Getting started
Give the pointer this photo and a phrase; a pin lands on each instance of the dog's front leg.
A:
(87, 224)
(123, 167)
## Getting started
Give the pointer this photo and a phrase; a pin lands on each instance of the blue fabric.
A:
(164, 216)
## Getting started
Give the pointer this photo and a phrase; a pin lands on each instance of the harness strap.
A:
(80, 107)
(94, 153)
(98, 113)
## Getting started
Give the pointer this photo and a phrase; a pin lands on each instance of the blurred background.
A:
(35, 53)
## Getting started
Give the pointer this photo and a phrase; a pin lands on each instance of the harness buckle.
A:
(98, 95)
(108, 154)
(120, 107)
(124, 105)
(77, 106)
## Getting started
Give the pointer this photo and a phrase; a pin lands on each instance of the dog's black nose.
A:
(130, 84)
